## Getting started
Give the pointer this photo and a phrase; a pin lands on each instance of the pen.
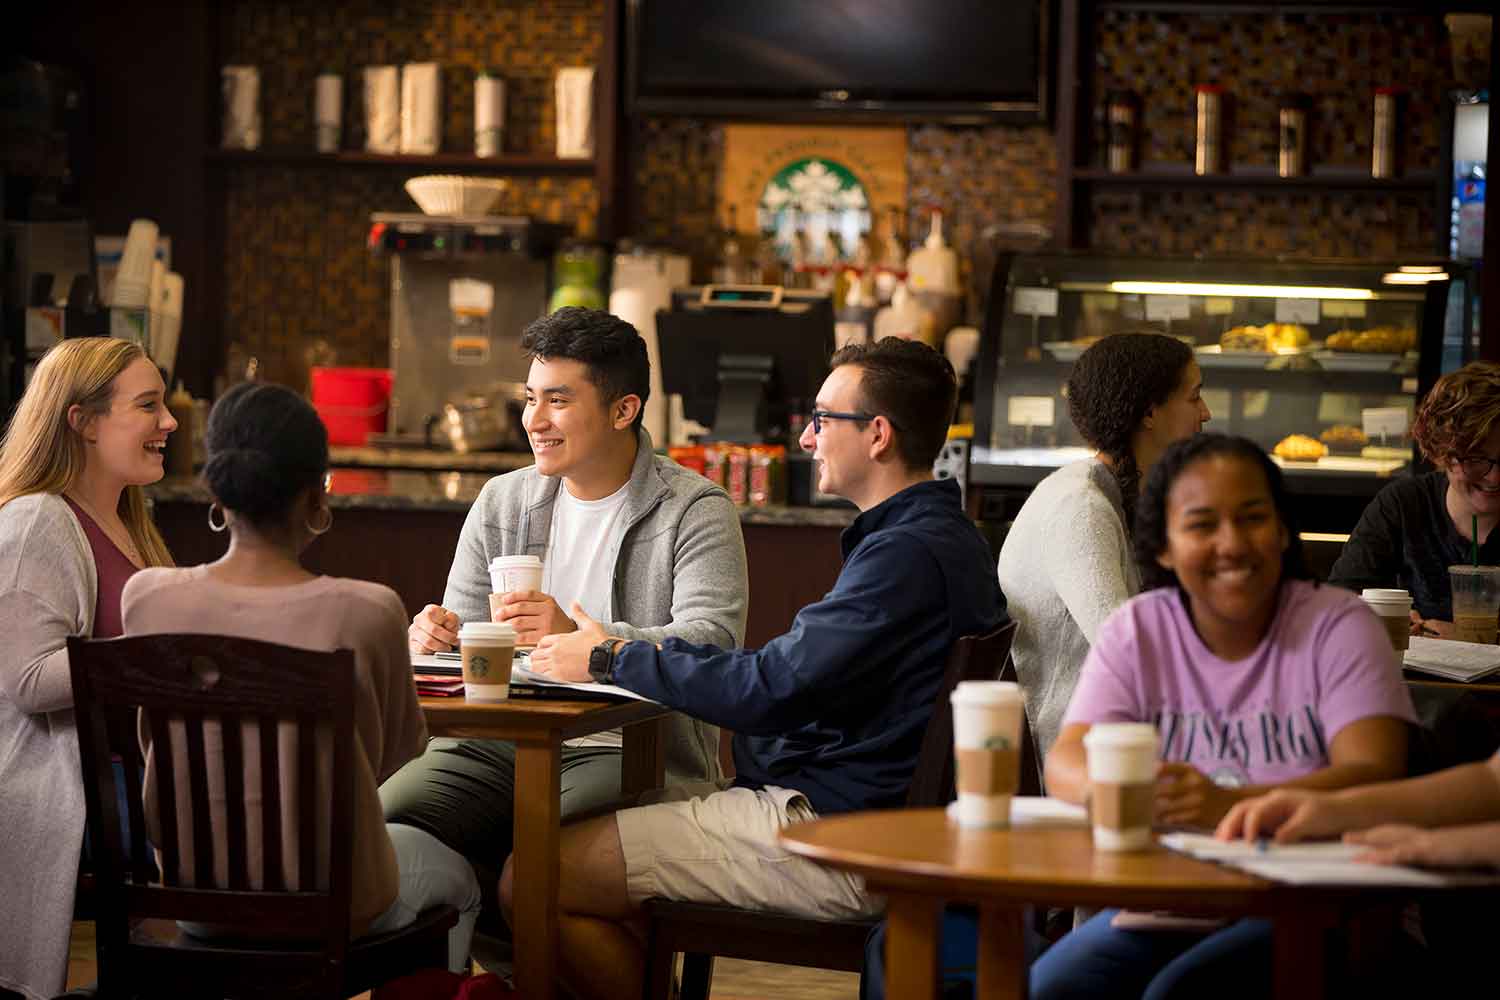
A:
(1262, 844)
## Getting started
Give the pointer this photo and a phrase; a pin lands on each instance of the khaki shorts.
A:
(702, 845)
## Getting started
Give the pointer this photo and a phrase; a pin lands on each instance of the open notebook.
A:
(1451, 659)
(524, 682)
(1324, 863)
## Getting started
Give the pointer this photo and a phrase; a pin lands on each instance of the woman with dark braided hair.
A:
(1066, 564)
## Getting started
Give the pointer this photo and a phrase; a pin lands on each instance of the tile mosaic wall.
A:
(299, 280)
(297, 277)
(1337, 59)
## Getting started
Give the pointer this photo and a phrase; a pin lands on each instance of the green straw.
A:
(1474, 537)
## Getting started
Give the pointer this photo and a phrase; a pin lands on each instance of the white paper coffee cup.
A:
(986, 750)
(1122, 782)
(1394, 608)
(508, 573)
(486, 649)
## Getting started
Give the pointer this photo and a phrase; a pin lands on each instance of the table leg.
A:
(538, 808)
(1003, 974)
(644, 762)
(1299, 945)
(911, 947)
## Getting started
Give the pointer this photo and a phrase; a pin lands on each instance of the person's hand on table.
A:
(565, 656)
(1431, 627)
(1186, 797)
(433, 630)
(1285, 815)
(1473, 846)
(533, 614)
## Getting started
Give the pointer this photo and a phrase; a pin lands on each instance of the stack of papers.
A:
(1454, 660)
(1311, 864)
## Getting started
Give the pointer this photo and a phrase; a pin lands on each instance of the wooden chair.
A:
(702, 931)
(159, 680)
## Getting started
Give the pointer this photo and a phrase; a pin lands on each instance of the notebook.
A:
(1323, 863)
(1451, 659)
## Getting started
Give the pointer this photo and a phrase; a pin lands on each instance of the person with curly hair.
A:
(1419, 525)
(1254, 677)
(1065, 564)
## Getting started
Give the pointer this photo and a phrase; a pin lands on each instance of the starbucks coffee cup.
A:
(1394, 609)
(508, 573)
(986, 750)
(1122, 783)
(486, 649)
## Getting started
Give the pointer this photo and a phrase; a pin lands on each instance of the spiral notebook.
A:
(1451, 659)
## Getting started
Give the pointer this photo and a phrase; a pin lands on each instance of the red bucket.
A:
(351, 401)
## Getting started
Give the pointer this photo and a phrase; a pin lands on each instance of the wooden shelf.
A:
(518, 163)
(1252, 179)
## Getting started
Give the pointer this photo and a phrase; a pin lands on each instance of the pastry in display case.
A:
(1320, 361)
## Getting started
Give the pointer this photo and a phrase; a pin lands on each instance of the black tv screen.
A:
(952, 60)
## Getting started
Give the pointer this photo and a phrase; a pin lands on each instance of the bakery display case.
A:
(1319, 361)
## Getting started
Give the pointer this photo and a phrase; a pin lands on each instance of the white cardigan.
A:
(1065, 565)
(48, 585)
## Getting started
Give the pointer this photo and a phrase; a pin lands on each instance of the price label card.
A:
(1032, 411)
(1035, 302)
(1340, 308)
(1387, 421)
(1167, 307)
(1297, 311)
(1217, 306)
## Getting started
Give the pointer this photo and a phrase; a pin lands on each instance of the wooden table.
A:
(918, 860)
(538, 728)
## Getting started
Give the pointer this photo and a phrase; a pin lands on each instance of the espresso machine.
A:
(462, 290)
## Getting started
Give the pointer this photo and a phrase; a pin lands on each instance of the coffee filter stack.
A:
(133, 280)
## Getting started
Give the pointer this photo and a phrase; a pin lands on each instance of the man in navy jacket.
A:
(828, 717)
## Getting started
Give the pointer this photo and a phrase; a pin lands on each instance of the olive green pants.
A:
(463, 793)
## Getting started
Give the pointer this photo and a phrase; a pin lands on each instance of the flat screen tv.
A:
(934, 60)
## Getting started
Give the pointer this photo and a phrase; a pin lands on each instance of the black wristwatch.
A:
(602, 659)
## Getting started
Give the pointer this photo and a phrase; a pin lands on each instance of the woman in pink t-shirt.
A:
(1255, 678)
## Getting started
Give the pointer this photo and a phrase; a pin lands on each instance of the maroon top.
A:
(112, 568)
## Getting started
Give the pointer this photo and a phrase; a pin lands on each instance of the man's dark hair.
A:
(609, 347)
(1112, 387)
(912, 386)
(1150, 538)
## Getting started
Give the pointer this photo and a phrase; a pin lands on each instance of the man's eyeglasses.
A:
(1477, 466)
(818, 416)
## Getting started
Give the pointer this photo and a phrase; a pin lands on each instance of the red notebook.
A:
(434, 686)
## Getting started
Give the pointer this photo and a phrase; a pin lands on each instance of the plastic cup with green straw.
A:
(1474, 538)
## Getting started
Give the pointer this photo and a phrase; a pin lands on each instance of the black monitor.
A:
(745, 357)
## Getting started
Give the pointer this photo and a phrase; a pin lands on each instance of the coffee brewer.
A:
(462, 290)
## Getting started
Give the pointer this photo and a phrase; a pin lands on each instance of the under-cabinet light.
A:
(1242, 291)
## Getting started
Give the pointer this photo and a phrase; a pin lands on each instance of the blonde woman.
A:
(87, 435)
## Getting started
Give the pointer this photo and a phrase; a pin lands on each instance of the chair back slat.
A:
(307, 804)
(158, 725)
(208, 692)
(234, 807)
(202, 813)
(973, 658)
(270, 803)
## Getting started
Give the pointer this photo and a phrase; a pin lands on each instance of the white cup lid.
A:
(1384, 595)
(508, 562)
(1120, 734)
(986, 693)
(480, 631)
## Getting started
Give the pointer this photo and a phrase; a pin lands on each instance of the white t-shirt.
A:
(579, 566)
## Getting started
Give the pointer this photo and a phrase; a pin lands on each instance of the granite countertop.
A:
(410, 489)
(435, 459)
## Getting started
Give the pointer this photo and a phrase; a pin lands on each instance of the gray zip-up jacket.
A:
(679, 570)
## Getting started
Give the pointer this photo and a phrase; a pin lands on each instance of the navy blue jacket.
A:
(836, 707)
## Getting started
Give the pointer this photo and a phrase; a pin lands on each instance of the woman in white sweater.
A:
(1066, 562)
(87, 435)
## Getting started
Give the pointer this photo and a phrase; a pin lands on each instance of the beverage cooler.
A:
(1319, 361)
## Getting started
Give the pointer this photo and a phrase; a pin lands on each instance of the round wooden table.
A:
(918, 859)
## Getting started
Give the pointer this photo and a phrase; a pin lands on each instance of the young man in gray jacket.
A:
(634, 539)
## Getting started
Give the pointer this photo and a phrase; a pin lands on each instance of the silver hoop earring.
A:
(223, 522)
(327, 521)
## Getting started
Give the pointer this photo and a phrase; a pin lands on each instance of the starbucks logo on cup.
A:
(997, 743)
(479, 665)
